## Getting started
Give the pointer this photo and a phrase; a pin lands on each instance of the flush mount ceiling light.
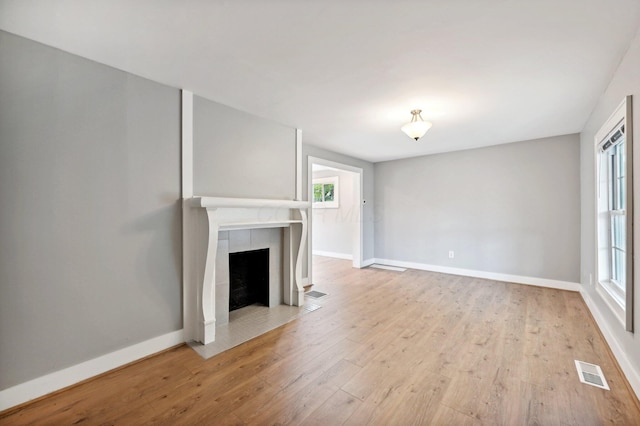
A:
(417, 127)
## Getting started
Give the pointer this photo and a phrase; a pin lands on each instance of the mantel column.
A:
(207, 293)
(299, 297)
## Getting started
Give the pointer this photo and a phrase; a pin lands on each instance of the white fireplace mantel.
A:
(203, 218)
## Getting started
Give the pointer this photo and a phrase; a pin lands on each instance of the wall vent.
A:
(591, 374)
(388, 267)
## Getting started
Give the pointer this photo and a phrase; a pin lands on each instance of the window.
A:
(614, 215)
(325, 193)
(615, 158)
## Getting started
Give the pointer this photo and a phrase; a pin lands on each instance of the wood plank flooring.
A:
(387, 348)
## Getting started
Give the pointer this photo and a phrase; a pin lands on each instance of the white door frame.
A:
(357, 246)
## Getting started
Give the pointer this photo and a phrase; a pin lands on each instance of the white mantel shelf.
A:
(226, 214)
(235, 226)
(219, 202)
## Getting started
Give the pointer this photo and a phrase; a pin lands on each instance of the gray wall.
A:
(236, 154)
(367, 187)
(90, 219)
(626, 81)
(334, 228)
(511, 209)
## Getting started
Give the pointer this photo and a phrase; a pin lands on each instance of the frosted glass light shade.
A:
(416, 129)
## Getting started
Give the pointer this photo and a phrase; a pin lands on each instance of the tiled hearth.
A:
(249, 322)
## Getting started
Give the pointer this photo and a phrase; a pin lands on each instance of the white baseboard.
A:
(630, 370)
(518, 279)
(368, 262)
(61, 379)
(333, 254)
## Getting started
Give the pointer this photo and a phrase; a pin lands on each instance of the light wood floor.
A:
(387, 348)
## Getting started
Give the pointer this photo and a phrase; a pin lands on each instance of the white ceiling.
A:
(348, 72)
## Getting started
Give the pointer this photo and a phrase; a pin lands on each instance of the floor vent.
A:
(315, 294)
(388, 268)
(591, 374)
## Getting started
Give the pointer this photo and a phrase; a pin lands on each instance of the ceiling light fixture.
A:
(417, 127)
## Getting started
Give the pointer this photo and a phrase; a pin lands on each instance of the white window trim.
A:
(622, 309)
(336, 190)
(602, 288)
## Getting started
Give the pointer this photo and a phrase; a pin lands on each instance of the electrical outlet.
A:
(451, 254)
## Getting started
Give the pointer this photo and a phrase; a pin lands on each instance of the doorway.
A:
(335, 219)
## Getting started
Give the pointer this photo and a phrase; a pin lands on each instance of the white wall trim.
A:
(333, 254)
(518, 279)
(368, 262)
(69, 376)
(630, 370)
(298, 165)
(187, 212)
(187, 144)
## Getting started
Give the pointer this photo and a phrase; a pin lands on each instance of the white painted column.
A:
(187, 144)
(298, 164)
(189, 292)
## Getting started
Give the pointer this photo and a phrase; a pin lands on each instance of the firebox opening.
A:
(248, 278)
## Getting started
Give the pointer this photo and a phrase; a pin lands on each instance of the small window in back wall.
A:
(325, 193)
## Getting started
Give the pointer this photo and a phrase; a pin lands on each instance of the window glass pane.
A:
(621, 158)
(618, 272)
(614, 263)
(621, 193)
(621, 230)
(619, 176)
(618, 231)
(329, 192)
(616, 177)
(317, 192)
(611, 180)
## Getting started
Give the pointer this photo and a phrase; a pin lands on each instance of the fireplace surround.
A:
(246, 241)
(256, 222)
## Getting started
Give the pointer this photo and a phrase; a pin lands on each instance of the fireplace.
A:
(251, 243)
(248, 278)
(215, 229)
